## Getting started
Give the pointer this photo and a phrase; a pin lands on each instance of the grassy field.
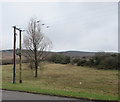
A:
(65, 80)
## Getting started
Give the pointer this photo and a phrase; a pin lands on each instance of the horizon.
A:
(71, 51)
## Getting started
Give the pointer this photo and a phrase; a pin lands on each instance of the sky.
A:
(81, 26)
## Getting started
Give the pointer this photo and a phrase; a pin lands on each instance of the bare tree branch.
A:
(36, 43)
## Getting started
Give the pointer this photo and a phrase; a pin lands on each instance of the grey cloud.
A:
(77, 26)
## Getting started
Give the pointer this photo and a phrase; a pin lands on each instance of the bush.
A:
(81, 63)
(59, 58)
(5, 61)
(65, 60)
(106, 61)
(75, 61)
(109, 63)
(100, 61)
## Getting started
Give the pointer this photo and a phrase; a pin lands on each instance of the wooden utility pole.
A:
(14, 58)
(20, 53)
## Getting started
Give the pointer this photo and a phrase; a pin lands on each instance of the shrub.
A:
(109, 63)
(106, 61)
(75, 61)
(81, 63)
(60, 58)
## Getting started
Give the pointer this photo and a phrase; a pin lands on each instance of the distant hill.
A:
(8, 54)
(78, 53)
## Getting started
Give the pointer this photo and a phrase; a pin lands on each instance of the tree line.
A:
(100, 60)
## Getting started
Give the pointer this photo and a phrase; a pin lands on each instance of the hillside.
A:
(8, 54)
(78, 53)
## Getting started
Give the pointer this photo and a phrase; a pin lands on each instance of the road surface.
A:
(15, 95)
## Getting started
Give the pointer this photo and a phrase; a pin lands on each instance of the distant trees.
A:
(60, 58)
(36, 44)
(75, 61)
(106, 61)
(99, 61)
(81, 63)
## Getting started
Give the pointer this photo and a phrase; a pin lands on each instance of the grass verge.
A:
(81, 95)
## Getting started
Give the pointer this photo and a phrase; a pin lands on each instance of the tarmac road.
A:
(15, 95)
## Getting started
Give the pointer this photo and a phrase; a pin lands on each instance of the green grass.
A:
(64, 80)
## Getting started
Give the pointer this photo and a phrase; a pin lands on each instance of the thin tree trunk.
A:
(36, 64)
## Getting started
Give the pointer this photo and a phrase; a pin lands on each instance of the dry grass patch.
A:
(67, 77)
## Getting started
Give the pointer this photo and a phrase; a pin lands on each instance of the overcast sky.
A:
(73, 26)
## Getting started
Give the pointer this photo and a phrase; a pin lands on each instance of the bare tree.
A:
(36, 44)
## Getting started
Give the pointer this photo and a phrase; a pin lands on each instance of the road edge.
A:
(86, 99)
